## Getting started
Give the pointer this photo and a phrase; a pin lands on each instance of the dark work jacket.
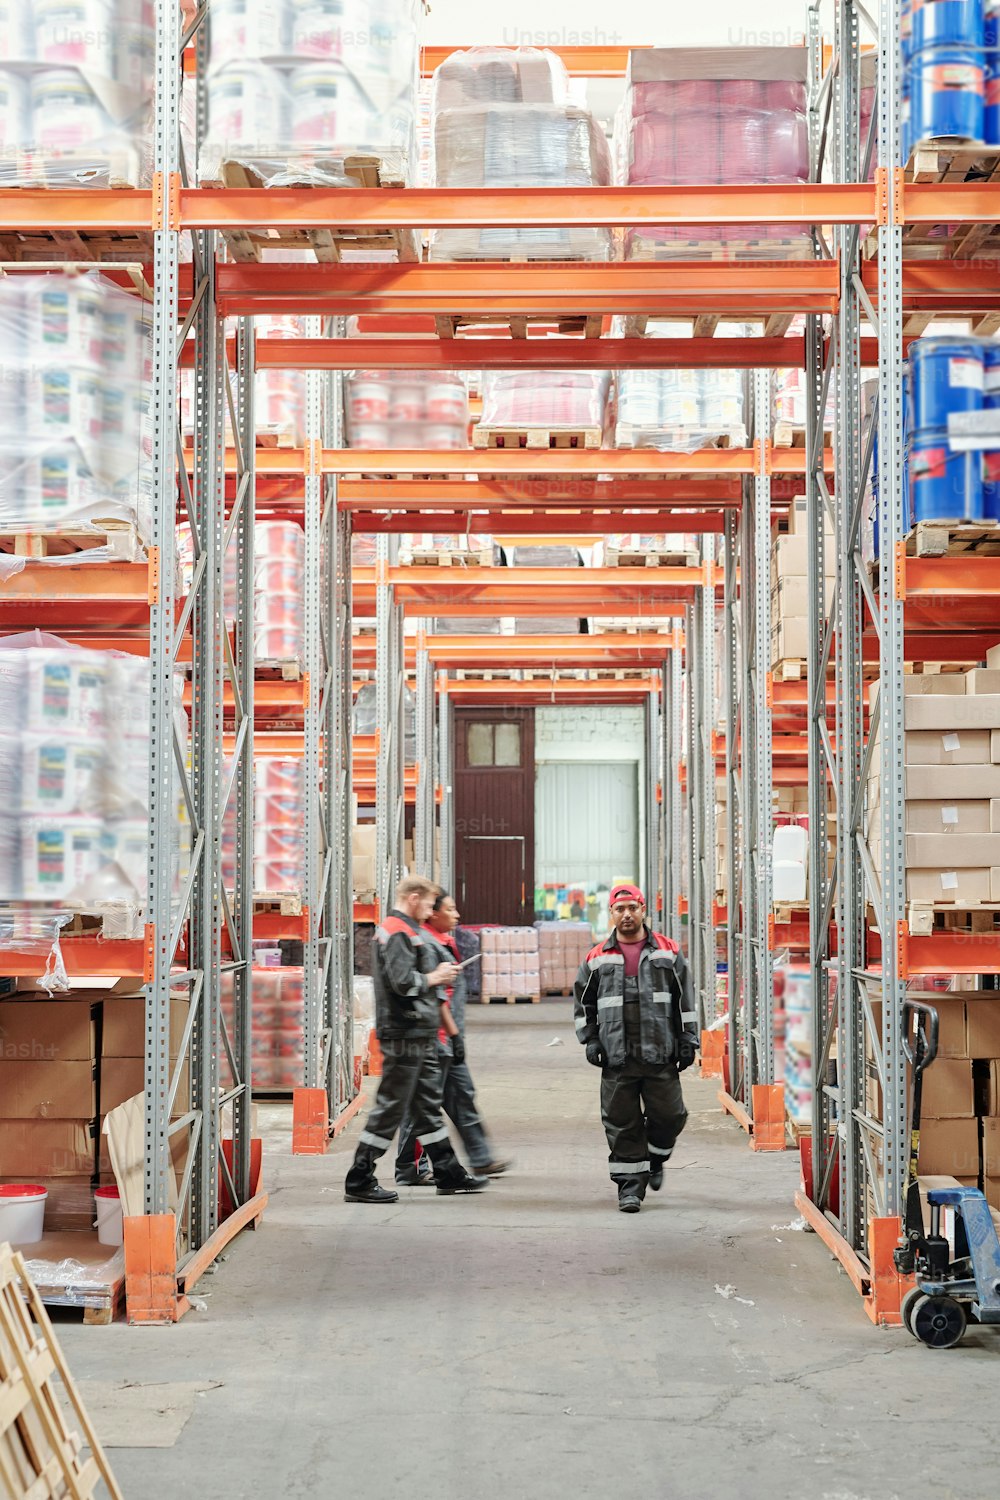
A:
(402, 956)
(457, 993)
(666, 1006)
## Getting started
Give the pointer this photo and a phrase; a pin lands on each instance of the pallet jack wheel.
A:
(938, 1322)
(909, 1302)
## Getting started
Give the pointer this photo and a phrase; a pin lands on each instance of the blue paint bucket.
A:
(946, 376)
(946, 23)
(992, 113)
(947, 94)
(991, 459)
(906, 30)
(944, 486)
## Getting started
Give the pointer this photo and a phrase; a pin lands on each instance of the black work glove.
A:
(686, 1053)
(595, 1054)
(458, 1049)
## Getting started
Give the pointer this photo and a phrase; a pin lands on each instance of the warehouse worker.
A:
(635, 1016)
(459, 1089)
(408, 1011)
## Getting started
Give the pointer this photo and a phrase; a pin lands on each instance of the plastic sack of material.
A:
(365, 717)
(500, 75)
(564, 400)
(320, 92)
(279, 592)
(679, 410)
(406, 409)
(546, 557)
(731, 115)
(493, 128)
(475, 625)
(76, 93)
(75, 434)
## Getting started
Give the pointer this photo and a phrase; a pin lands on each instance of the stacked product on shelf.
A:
(510, 963)
(322, 93)
(363, 861)
(546, 557)
(365, 720)
(278, 821)
(503, 118)
(620, 549)
(279, 591)
(68, 1061)
(952, 774)
(528, 408)
(76, 93)
(74, 769)
(728, 115)
(277, 1038)
(562, 947)
(948, 59)
(75, 448)
(950, 384)
(680, 410)
(791, 400)
(798, 1046)
(790, 593)
(406, 409)
(280, 395)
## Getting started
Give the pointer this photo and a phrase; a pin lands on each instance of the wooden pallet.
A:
(954, 160)
(289, 669)
(115, 921)
(704, 325)
(510, 999)
(99, 1294)
(925, 918)
(447, 557)
(41, 1455)
(122, 540)
(536, 437)
(449, 325)
(676, 439)
(121, 170)
(951, 538)
(556, 992)
(524, 255)
(791, 669)
(757, 251)
(328, 245)
(641, 557)
(633, 625)
(277, 437)
(287, 903)
(788, 435)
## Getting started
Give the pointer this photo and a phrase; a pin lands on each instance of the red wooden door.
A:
(494, 803)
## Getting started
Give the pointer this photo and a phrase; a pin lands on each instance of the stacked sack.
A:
(728, 115)
(75, 440)
(74, 775)
(406, 409)
(502, 118)
(562, 947)
(510, 963)
(679, 410)
(76, 92)
(296, 88)
(557, 400)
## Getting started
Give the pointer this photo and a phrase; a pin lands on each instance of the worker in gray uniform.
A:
(409, 1009)
(636, 1018)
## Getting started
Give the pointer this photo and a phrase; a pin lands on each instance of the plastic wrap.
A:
(729, 115)
(76, 93)
(277, 1038)
(680, 410)
(365, 718)
(279, 591)
(406, 409)
(510, 961)
(502, 119)
(75, 434)
(278, 821)
(74, 754)
(320, 92)
(566, 400)
(546, 557)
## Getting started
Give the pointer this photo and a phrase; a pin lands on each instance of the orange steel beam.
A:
(536, 288)
(540, 463)
(531, 354)
(542, 523)
(634, 690)
(506, 652)
(580, 62)
(532, 490)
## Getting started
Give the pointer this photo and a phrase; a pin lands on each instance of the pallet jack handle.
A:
(920, 1021)
(925, 1041)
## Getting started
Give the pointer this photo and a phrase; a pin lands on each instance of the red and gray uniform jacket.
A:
(666, 1003)
(405, 1005)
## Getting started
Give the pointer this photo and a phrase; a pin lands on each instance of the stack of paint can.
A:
(945, 69)
(279, 591)
(947, 376)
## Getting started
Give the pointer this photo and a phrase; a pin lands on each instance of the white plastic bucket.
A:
(110, 1219)
(14, 113)
(66, 114)
(22, 1212)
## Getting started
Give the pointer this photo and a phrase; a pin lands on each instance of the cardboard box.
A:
(123, 1077)
(981, 680)
(42, 1090)
(948, 1091)
(993, 658)
(994, 1088)
(46, 1030)
(955, 887)
(953, 1040)
(925, 684)
(991, 1147)
(790, 558)
(948, 818)
(948, 747)
(47, 1148)
(952, 851)
(124, 1026)
(948, 1147)
(991, 1191)
(944, 711)
(975, 783)
(70, 1204)
(790, 596)
(789, 639)
(798, 519)
(982, 1009)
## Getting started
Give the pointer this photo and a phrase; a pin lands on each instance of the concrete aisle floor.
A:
(535, 1343)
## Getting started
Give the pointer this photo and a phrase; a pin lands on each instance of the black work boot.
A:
(414, 1179)
(656, 1170)
(462, 1184)
(631, 1191)
(371, 1193)
(361, 1185)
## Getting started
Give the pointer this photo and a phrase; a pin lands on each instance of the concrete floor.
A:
(533, 1343)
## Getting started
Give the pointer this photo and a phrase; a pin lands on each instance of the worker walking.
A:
(635, 1016)
(409, 1009)
(459, 1089)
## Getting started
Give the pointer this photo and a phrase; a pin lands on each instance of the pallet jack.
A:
(948, 1291)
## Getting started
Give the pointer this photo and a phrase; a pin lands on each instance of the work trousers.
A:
(412, 1082)
(642, 1110)
(460, 1107)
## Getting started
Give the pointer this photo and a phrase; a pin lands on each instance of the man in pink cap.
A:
(635, 1016)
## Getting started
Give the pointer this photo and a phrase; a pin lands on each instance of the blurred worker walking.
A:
(635, 1016)
(407, 971)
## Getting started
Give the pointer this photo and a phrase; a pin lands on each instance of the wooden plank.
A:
(536, 437)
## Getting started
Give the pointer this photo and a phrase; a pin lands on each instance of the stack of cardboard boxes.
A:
(64, 1064)
(562, 947)
(510, 963)
(952, 788)
(790, 592)
(363, 860)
